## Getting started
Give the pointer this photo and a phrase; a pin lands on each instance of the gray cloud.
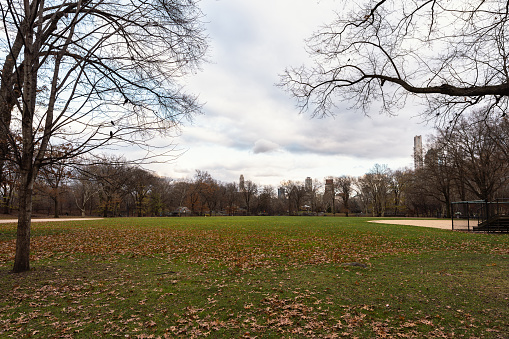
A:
(264, 146)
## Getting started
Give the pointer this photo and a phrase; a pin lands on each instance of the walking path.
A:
(440, 223)
(13, 221)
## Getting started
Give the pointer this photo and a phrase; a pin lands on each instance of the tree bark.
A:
(28, 169)
(22, 259)
(57, 206)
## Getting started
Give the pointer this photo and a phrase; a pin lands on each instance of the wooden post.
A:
(468, 217)
(452, 216)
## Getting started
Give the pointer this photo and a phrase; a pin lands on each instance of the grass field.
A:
(263, 277)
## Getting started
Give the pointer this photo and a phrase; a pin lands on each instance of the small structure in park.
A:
(481, 215)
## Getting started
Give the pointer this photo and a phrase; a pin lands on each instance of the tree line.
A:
(468, 162)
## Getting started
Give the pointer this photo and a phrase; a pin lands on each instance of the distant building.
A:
(418, 157)
(308, 184)
(329, 196)
(281, 193)
(329, 185)
(241, 183)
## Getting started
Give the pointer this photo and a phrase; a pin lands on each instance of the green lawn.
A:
(247, 277)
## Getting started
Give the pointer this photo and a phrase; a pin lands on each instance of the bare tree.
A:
(417, 200)
(112, 177)
(438, 176)
(231, 196)
(83, 188)
(295, 193)
(161, 199)
(53, 177)
(201, 192)
(248, 191)
(374, 187)
(266, 200)
(9, 181)
(344, 187)
(91, 73)
(193, 197)
(208, 190)
(480, 153)
(451, 54)
(398, 182)
(467, 162)
(140, 184)
(179, 193)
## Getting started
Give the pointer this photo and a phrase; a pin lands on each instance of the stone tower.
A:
(418, 158)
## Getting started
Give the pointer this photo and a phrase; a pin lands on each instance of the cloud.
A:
(252, 127)
(264, 146)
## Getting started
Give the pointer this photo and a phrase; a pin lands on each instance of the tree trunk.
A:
(448, 208)
(57, 206)
(28, 169)
(22, 259)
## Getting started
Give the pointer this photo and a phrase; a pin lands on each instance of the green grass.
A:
(265, 277)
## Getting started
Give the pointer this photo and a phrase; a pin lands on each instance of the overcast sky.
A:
(252, 127)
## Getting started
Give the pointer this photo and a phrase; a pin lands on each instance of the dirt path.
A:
(443, 223)
(7, 221)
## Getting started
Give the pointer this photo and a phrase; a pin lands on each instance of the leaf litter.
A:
(167, 282)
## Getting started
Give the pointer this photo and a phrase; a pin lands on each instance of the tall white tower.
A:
(418, 158)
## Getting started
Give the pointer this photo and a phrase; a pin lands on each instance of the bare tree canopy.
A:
(90, 73)
(96, 72)
(450, 54)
